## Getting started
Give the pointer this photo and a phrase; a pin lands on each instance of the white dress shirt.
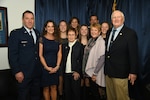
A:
(33, 33)
(116, 34)
(68, 63)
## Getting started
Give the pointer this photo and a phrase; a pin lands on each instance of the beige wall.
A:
(15, 8)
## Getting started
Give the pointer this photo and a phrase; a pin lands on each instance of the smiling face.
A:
(95, 30)
(71, 35)
(84, 30)
(104, 27)
(94, 19)
(28, 20)
(117, 18)
(63, 26)
(49, 28)
(74, 23)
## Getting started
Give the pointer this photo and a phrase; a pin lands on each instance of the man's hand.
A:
(19, 77)
(132, 78)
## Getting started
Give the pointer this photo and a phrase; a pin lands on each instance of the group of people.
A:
(72, 61)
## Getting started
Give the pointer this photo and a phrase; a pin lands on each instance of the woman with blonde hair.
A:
(93, 61)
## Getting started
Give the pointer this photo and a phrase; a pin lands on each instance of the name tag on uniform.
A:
(24, 41)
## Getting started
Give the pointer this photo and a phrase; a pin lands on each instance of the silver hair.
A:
(119, 12)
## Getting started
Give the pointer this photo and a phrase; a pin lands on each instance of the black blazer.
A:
(76, 56)
(122, 58)
(23, 53)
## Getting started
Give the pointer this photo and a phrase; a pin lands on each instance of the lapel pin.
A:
(120, 33)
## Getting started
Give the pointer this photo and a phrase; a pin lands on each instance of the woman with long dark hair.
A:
(50, 56)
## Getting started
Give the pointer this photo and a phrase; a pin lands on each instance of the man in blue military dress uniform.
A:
(23, 58)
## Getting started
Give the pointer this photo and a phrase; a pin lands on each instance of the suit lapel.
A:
(118, 39)
(25, 33)
(120, 35)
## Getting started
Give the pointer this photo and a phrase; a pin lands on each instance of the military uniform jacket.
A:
(23, 53)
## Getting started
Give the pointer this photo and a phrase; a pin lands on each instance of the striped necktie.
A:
(112, 38)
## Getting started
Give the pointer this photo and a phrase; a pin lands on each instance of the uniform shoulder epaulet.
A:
(16, 29)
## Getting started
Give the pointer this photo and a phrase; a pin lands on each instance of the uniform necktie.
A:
(31, 36)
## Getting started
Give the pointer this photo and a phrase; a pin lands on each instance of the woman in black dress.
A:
(50, 57)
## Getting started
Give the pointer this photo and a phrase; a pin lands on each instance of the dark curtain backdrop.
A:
(65, 9)
(136, 16)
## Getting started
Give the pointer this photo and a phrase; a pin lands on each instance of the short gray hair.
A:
(119, 12)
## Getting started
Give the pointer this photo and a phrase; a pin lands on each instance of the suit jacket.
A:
(76, 56)
(23, 53)
(122, 58)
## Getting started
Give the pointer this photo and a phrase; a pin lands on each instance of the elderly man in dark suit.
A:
(23, 58)
(121, 62)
